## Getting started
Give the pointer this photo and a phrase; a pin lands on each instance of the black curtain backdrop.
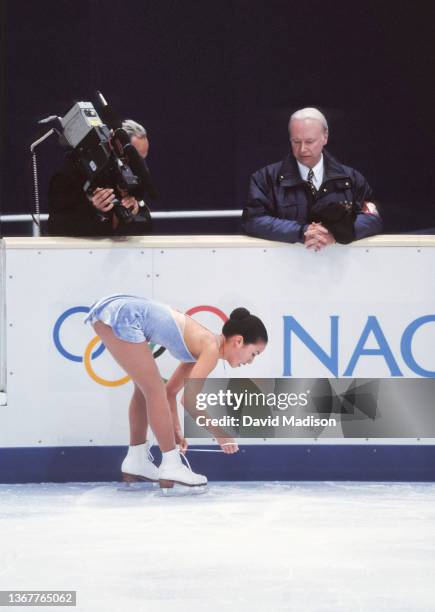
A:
(214, 82)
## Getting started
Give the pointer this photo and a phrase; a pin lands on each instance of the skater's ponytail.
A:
(245, 324)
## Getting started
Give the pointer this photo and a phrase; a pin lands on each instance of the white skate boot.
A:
(138, 465)
(173, 472)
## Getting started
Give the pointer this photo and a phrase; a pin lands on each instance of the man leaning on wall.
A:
(310, 197)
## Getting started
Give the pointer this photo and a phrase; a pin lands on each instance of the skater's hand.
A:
(181, 442)
(228, 445)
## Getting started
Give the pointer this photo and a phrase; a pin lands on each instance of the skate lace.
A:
(186, 461)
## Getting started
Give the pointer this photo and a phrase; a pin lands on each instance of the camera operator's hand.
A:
(131, 203)
(103, 199)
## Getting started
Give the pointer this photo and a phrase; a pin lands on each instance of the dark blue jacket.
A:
(279, 199)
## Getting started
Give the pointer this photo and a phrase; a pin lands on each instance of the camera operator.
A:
(73, 213)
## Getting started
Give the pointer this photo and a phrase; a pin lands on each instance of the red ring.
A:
(211, 309)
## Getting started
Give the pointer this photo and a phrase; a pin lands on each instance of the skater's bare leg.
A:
(138, 362)
(138, 418)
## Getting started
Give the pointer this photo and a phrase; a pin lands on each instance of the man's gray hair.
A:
(310, 113)
(133, 128)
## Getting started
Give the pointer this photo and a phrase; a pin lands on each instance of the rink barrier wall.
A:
(302, 462)
(57, 424)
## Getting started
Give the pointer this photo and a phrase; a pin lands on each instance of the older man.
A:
(72, 213)
(310, 197)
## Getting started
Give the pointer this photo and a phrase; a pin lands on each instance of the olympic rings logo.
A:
(92, 351)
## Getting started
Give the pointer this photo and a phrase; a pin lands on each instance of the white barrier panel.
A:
(2, 324)
(363, 311)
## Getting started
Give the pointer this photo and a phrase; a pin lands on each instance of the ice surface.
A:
(240, 546)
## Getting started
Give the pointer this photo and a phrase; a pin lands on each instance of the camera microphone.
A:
(49, 119)
(107, 113)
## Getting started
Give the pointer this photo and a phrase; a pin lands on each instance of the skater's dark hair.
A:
(245, 324)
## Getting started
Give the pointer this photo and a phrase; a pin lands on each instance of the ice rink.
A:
(239, 546)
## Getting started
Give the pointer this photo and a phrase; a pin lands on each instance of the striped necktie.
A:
(310, 181)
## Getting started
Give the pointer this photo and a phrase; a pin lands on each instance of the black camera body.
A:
(105, 155)
(337, 217)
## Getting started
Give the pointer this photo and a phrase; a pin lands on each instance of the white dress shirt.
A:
(317, 170)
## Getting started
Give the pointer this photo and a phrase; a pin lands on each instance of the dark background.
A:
(214, 82)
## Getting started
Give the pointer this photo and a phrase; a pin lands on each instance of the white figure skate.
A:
(138, 465)
(174, 477)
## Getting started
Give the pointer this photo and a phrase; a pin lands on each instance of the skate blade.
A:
(132, 478)
(136, 487)
(132, 483)
(180, 490)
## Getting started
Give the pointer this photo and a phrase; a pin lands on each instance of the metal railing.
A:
(164, 214)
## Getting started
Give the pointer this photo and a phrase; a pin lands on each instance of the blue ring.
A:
(56, 338)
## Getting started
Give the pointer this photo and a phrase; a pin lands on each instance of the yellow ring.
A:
(90, 371)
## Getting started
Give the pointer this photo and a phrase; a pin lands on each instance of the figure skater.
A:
(125, 325)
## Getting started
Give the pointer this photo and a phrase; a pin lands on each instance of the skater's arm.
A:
(198, 371)
(176, 382)
(173, 386)
(206, 363)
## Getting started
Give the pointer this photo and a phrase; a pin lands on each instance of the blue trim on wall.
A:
(257, 462)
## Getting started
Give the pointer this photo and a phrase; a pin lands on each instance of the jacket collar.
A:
(289, 176)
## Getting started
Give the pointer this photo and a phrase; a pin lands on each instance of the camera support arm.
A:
(37, 216)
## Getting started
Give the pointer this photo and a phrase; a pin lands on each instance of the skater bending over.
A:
(125, 325)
